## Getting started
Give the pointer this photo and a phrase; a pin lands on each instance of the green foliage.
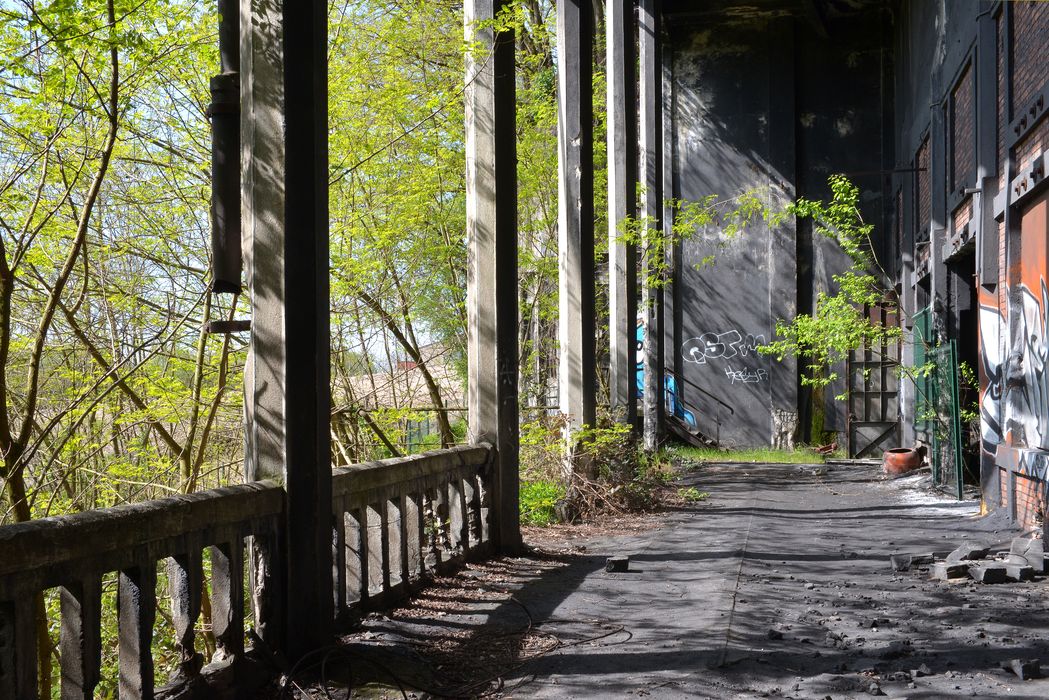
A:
(718, 219)
(756, 454)
(538, 502)
(691, 494)
(839, 324)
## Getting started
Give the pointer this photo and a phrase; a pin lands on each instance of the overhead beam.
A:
(491, 236)
(575, 178)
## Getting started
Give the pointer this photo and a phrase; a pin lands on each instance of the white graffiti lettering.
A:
(746, 375)
(711, 346)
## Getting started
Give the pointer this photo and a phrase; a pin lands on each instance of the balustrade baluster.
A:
(365, 553)
(185, 579)
(384, 543)
(437, 513)
(339, 572)
(459, 486)
(402, 535)
(18, 649)
(420, 529)
(267, 591)
(450, 492)
(475, 510)
(227, 598)
(80, 642)
(136, 611)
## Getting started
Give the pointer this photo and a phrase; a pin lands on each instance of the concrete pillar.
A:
(491, 236)
(673, 300)
(575, 228)
(285, 204)
(651, 169)
(987, 226)
(622, 204)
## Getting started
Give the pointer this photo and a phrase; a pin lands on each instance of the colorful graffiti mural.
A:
(1014, 360)
(673, 400)
(1027, 408)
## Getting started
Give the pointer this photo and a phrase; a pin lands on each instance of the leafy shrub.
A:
(692, 495)
(538, 502)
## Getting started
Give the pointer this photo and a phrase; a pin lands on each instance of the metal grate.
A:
(946, 433)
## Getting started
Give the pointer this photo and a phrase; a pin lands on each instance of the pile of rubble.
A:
(1022, 559)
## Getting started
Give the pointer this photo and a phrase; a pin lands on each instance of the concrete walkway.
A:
(777, 585)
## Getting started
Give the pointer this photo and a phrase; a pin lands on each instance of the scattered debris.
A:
(1018, 560)
(988, 573)
(904, 562)
(1032, 550)
(1018, 572)
(968, 550)
(947, 571)
(1024, 669)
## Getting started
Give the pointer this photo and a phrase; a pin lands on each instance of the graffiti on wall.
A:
(1027, 408)
(746, 375)
(734, 347)
(991, 384)
(725, 346)
(672, 396)
(1014, 390)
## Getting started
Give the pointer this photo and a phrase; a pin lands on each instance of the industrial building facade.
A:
(936, 111)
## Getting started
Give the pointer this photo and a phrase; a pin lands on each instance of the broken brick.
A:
(1019, 573)
(1031, 549)
(988, 573)
(969, 550)
(1025, 669)
(945, 570)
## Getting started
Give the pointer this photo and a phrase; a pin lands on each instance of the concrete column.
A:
(987, 226)
(782, 253)
(491, 237)
(938, 217)
(651, 168)
(575, 215)
(285, 204)
(622, 204)
(673, 302)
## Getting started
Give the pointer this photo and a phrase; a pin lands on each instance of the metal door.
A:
(873, 396)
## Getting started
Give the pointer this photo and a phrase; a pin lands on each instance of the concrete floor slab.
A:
(777, 585)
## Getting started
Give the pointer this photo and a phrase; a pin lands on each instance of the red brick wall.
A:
(963, 214)
(924, 194)
(1030, 67)
(1034, 143)
(1030, 501)
(963, 134)
(1030, 498)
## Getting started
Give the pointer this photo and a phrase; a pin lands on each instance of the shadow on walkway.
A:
(778, 586)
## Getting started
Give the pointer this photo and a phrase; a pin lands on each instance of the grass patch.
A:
(755, 454)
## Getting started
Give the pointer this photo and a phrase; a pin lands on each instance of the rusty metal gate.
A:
(947, 462)
(873, 396)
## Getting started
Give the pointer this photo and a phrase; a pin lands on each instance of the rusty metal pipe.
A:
(224, 112)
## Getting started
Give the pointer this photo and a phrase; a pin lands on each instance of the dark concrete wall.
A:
(762, 100)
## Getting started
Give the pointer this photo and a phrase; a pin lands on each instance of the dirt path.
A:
(778, 585)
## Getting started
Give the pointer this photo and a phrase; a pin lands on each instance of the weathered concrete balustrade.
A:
(394, 522)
